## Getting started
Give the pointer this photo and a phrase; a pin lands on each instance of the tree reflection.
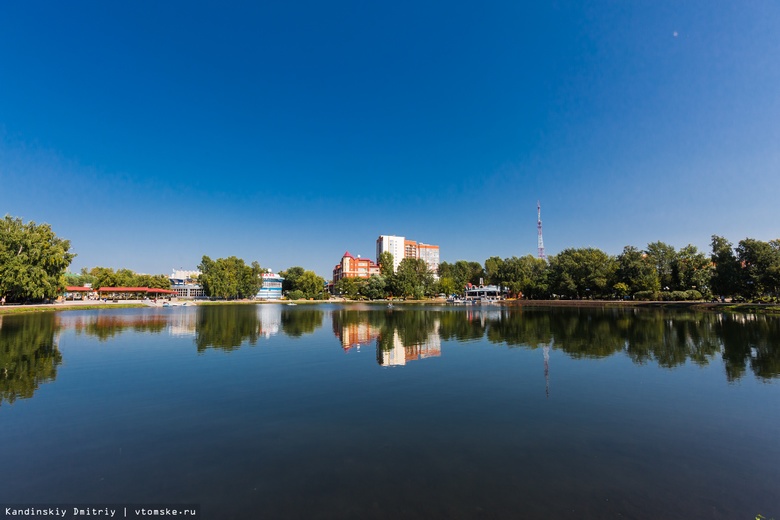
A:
(462, 325)
(296, 323)
(750, 339)
(669, 338)
(226, 327)
(106, 326)
(28, 354)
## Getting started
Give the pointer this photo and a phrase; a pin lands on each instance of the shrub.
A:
(295, 295)
(646, 295)
(693, 295)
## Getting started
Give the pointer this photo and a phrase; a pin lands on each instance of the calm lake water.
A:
(274, 411)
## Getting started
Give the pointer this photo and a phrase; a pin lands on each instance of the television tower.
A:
(539, 227)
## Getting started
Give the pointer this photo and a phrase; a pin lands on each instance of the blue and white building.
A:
(272, 287)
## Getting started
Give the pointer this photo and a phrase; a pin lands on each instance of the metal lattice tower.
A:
(539, 227)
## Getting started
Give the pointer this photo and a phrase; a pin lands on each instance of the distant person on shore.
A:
(2, 300)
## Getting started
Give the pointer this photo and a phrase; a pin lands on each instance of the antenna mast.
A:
(539, 227)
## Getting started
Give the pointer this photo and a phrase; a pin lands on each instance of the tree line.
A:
(33, 262)
(106, 277)
(749, 271)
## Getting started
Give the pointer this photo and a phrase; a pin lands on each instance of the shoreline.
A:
(763, 308)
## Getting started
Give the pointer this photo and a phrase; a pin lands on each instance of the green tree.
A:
(693, 270)
(103, 277)
(493, 270)
(311, 285)
(582, 273)
(385, 262)
(349, 287)
(526, 276)
(413, 279)
(663, 257)
(726, 268)
(230, 278)
(33, 260)
(291, 276)
(126, 278)
(462, 272)
(636, 271)
(760, 263)
(447, 286)
(375, 287)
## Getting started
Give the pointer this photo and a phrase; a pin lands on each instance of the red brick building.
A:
(354, 267)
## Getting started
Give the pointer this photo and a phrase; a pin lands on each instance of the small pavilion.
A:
(133, 293)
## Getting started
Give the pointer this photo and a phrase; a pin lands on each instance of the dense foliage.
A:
(299, 284)
(107, 277)
(32, 260)
(230, 278)
(750, 271)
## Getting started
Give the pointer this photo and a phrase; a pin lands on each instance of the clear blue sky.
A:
(152, 133)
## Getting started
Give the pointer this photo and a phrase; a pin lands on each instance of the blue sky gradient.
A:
(150, 135)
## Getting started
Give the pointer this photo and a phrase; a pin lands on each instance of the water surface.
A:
(331, 411)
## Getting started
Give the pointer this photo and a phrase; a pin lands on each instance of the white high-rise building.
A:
(402, 248)
(393, 244)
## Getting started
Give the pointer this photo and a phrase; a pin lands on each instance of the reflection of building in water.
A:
(355, 334)
(400, 354)
(483, 315)
(270, 318)
(182, 324)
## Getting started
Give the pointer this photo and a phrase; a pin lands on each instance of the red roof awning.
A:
(135, 290)
(78, 289)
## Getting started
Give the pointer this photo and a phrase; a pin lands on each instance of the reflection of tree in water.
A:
(519, 329)
(414, 327)
(462, 325)
(753, 339)
(226, 327)
(581, 334)
(668, 338)
(106, 326)
(296, 323)
(28, 355)
(671, 338)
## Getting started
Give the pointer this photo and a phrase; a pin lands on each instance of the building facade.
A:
(402, 248)
(393, 244)
(354, 267)
(185, 284)
(272, 286)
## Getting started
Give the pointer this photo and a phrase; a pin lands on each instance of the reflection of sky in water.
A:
(521, 415)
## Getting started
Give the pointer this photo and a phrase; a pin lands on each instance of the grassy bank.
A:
(748, 308)
(25, 309)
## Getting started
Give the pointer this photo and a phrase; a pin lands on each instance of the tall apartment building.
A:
(402, 248)
(393, 244)
(430, 255)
